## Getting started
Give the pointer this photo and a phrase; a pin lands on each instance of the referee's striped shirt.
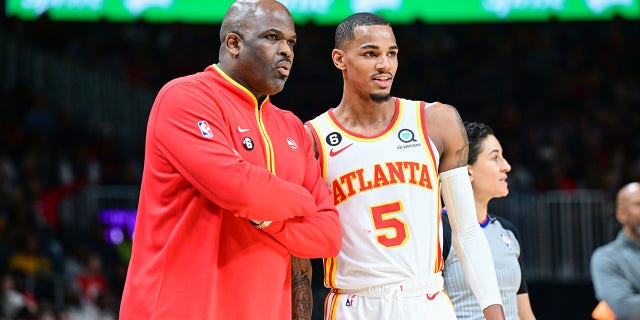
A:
(503, 240)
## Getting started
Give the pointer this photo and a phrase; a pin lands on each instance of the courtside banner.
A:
(329, 12)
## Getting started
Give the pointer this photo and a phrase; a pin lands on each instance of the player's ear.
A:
(337, 56)
(470, 170)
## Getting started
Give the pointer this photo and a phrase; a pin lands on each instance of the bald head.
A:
(256, 49)
(628, 209)
(242, 13)
(626, 193)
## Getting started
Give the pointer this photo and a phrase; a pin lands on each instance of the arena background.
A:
(562, 95)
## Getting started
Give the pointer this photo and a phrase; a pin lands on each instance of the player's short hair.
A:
(344, 31)
(476, 133)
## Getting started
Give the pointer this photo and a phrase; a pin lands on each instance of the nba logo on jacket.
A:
(204, 129)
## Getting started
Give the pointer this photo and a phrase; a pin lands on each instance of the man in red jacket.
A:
(231, 187)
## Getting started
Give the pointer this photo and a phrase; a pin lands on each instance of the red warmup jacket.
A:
(214, 158)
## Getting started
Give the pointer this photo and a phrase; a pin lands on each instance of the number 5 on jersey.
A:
(391, 231)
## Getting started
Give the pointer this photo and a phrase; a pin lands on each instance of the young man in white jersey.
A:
(387, 161)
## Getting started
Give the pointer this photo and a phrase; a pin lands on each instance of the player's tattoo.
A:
(462, 153)
(302, 296)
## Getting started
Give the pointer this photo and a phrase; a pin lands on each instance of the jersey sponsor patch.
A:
(406, 136)
(203, 125)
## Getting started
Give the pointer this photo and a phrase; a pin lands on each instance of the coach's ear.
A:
(233, 44)
(337, 55)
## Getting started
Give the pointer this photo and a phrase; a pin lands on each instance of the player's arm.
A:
(301, 294)
(447, 131)
(449, 135)
(314, 144)
(209, 163)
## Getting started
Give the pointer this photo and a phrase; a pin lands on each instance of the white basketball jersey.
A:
(387, 191)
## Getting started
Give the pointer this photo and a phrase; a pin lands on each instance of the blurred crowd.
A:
(50, 268)
(563, 97)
